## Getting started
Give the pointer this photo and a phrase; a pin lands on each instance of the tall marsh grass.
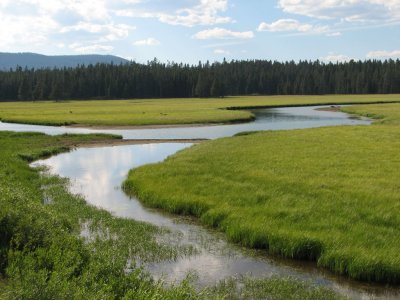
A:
(330, 195)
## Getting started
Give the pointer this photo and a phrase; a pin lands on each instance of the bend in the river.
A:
(266, 119)
(107, 167)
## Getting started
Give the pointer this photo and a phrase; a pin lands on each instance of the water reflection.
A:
(266, 119)
(97, 173)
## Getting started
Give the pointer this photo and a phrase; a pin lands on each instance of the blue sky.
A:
(193, 30)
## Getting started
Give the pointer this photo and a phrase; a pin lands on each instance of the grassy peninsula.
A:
(327, 194)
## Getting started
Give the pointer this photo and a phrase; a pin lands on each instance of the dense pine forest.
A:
(172, 80)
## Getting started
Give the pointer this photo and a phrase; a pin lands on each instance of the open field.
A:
(54, 246)
(328, 194)
(162, 111)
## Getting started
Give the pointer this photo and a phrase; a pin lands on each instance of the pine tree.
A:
(217, 89)
(24, 90)
(202, 87)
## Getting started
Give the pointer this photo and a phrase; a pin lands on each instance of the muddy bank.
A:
(332, 108)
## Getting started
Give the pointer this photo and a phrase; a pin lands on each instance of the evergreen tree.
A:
(217, 88)
(202, 87)
(56, 91)
(24, 90)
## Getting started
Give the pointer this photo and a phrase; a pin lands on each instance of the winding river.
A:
(97, 174)
(266, 119)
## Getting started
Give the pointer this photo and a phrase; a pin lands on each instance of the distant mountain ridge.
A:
(39, 61)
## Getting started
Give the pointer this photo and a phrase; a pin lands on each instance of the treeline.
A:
(160, 80)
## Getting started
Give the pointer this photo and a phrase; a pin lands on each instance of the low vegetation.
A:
(272, 288)
(327, 194)
(54, 246)
(164, 112)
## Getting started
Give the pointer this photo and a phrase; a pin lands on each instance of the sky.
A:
(192, 30)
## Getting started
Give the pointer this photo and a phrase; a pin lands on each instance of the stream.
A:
(97, 174)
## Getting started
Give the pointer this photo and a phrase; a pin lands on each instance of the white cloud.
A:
(134, 13)
(96, 48)
(147, 42)
(87, 9)
(25, 31)
(206, 12)
(332, 57)
(26, 25)
(133, 1)
(221, 33)
(108, 32)
(292, 25)
(345, 10)
(382, 54)
(337, 33)
(224, 44)
(221, 52)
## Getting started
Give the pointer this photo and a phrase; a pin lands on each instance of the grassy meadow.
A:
(330, 194)
(43, 254)
(162, 111)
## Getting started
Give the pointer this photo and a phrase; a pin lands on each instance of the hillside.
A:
(38, 61)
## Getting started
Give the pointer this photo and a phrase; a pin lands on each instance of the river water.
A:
(97, 174)
(266, 119)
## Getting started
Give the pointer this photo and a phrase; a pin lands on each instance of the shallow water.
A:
(97, 174)
(266, 119)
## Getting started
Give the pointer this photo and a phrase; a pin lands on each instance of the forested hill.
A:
(159, 80)
(32, 60)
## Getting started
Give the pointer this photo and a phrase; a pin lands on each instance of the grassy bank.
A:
(326, 194)
(54, 246)
(162, 111)
(388, 114)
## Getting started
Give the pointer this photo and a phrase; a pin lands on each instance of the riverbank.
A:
(328, 194)
(153, 113)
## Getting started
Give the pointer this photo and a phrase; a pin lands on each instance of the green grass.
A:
(162, 111)
(388, 114)
(328, 194)
(272, 288)
(42, 255)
